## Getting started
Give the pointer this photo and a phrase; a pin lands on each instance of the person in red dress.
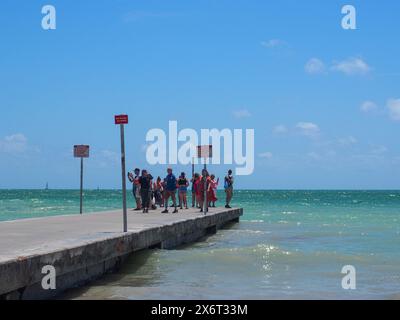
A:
(212, 191)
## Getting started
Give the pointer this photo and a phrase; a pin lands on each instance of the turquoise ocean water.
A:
(289, 244)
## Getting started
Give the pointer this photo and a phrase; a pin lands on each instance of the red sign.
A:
(121, 119)
(81, 151)
(204, 151)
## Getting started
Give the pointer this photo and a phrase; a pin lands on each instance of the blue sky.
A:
(324, 102)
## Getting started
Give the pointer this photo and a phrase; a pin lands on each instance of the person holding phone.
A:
(134, 179)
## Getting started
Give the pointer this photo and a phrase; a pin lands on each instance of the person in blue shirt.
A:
(170, 190)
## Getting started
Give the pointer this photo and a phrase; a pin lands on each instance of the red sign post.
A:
(81, 151)
(121, 120)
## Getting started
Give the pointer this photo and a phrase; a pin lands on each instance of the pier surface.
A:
(81, 248)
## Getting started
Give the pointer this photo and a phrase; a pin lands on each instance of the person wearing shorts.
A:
(183, 184)
(158, 191)
(194, 198)
(134, 179)
(228, 185)
(170, 190)
(145, 190)
(202, 185)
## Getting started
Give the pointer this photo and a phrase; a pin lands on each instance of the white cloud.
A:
(274, 43)
(352, 66)
(331, 153)
(348, 141)
(314, 156)
(314, 66)
(240, 114)
(280, 129)
(134, 16)
(379, 150)
(106, 158)
(15, 143)
(368, 106)
(308, 129)
(110, 155)
(394, 109)
(266, 155)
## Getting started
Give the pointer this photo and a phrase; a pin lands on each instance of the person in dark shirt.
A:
(145, 188)
(183, 184)
(228, 185)
(170, 190)
(194, 198)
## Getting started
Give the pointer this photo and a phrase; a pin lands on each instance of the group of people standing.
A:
(149, 194)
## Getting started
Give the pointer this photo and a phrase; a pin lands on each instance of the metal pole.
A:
(205, 204)
(192, 167)
(81, 203)
(194, 201)
(123, 178)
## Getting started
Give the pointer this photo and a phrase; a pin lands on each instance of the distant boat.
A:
(47, 186)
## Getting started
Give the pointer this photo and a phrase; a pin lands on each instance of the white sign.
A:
(204, 151)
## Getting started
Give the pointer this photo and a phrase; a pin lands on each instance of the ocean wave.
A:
(254, 221)
(289, 213)
(247, 231)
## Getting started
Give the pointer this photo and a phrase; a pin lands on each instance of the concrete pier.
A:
(84, 247)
